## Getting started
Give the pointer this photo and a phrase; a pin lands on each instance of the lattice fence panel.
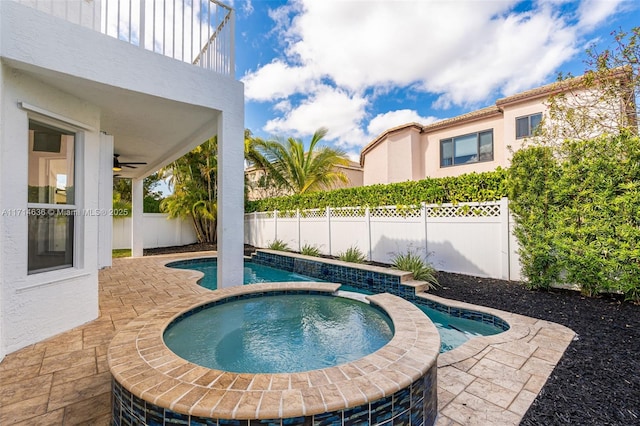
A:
(348, 212)
(287, 214)
(400, 212)
(483, 210)
(313, 213)
(262, 215)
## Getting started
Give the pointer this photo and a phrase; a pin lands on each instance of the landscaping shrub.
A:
(577, 212)
(488, 186)
(421, 269)
(309, 250)
(279, 245)
(353, 255)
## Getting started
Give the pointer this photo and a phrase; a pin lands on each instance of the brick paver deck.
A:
(65, 379)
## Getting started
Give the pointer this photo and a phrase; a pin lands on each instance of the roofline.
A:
(536, 93)
(368, 147)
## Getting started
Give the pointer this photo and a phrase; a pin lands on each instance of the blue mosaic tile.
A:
(297, 421)
(357, 416)
(265, 422)
(381, 409)
(402, 419)
(417, 391)
(139, 407)
(328, 419)
(202, 421)
(401, 401)
(155, 415)
(417, 413)
(171, 418)
(126, 419)
(232, 422)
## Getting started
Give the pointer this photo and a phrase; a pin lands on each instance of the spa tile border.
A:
(141, 363)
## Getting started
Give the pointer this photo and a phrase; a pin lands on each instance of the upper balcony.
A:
(199, 32)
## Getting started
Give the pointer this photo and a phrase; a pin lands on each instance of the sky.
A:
(360, 67)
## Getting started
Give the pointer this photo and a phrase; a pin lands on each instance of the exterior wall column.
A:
(105, 201)
(137, 224)
(231, 197)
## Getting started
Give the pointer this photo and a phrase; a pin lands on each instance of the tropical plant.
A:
(575, 196)
(422, 270)
(278, 245)
(257, 180)
(487, 186)
(352, 254)
(193, 179)
(152, 197)
(309, 250)
(300, 171)
(601, 102)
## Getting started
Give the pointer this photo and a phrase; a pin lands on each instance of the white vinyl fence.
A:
(159, 231)
(467, 238)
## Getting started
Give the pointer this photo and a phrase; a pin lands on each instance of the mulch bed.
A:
(597, 382)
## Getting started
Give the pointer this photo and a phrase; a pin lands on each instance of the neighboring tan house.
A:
(80, 81)
(256, 189)
(478, 141)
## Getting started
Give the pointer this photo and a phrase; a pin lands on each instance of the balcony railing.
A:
(200, 32)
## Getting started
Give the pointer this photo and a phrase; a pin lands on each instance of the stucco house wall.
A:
(431, 155)
(413, 151)
(44, 304)
(116, 98)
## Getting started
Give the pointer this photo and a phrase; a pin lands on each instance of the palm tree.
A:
(298, 171)
(193, 178)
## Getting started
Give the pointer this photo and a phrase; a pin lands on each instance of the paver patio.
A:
(66, 380)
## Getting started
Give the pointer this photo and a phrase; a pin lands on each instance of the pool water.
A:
(454, 331)
(253, 273)
(280, 334)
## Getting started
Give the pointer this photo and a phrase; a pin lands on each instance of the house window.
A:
(51, 198)
(526, 126)
(471, 148)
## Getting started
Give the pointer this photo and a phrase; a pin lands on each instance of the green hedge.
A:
(577, 212)
(488, 186)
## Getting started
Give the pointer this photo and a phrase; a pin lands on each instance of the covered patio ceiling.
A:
(145, 128)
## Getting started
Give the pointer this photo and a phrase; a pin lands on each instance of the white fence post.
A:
(275, 225)
(367, 220)
(328, 215)
(299, 235)
(254, 230)
(423, 214)
(504, 230)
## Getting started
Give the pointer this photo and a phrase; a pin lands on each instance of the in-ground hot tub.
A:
(396, 384)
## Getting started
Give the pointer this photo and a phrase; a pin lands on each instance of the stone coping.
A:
(403, 275)
(520, 327)
(141, 362)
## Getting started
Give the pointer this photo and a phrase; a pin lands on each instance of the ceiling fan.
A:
(117, 165)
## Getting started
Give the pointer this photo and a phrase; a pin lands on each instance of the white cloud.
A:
(247, 7)
(382, 122)
(594, 12)
(335, 109)
(277, 80)
(339, 55)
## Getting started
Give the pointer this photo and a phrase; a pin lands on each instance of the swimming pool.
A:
(253, 273)
(284, 333)
(396, 384)
(454, 330)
